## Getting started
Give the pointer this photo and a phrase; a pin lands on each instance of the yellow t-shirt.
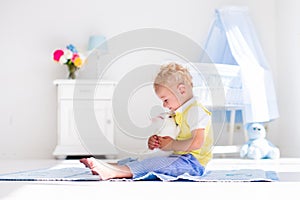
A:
(201, 118)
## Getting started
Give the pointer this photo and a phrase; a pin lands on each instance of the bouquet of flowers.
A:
(69, 57)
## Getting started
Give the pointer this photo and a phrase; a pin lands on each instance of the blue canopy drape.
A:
(232, 40)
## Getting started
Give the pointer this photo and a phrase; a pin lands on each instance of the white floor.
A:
(288, 170)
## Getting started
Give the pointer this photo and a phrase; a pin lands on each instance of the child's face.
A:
(169, 99)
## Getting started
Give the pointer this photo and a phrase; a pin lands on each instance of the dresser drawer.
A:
(88, 92)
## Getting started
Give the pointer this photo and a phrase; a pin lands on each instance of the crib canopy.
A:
(232, 40)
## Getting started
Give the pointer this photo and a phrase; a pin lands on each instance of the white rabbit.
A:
(166, 126)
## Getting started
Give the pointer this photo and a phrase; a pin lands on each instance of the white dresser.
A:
(84, 118)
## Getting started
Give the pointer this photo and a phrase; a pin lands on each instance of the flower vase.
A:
(72, 71)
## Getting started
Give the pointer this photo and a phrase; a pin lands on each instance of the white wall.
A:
(288, 51)
(32, 29)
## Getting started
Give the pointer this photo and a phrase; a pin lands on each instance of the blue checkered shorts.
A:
(173, 165)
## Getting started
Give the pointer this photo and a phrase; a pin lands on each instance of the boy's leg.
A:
(106, 171)
(173, 165)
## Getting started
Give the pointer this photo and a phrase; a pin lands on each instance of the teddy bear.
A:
(257, 146)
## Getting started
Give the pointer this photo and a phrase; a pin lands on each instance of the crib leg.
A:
(231, 127)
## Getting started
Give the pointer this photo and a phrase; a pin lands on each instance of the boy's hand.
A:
(165, 143)
(153, 142)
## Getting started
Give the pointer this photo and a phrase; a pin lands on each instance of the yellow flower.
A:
(78, 62)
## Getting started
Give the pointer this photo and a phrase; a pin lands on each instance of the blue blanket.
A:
(84, 174)
(52, 174)
(241, 175)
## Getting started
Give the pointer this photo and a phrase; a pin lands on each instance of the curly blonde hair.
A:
(173, 74)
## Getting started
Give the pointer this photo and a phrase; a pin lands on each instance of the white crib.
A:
(217, 81)
(219, 87)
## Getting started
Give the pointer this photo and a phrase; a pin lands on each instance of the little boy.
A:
(192, 147)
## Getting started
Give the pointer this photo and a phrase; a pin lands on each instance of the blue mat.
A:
(84, 174)
(52, 174)
(241, 175)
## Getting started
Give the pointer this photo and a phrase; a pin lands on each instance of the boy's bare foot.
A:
(88, 162)
(105, 170)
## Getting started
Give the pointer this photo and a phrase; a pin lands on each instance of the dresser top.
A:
(82, 82)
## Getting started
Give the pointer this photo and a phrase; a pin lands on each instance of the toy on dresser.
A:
(258, 147)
